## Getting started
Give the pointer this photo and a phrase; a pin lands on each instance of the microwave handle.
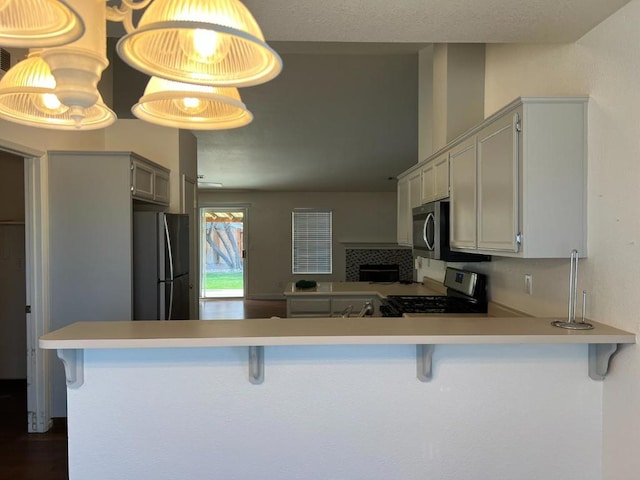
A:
(430, 218)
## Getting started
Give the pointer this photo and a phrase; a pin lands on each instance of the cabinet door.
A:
(462, 221)
(415, 194)
(441, 177)
(429, 182)
(403, 232)
(142, 180)
(161, 187)
(498, 224)
(309, 307)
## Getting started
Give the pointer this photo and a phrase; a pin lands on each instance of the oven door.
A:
(425, 231)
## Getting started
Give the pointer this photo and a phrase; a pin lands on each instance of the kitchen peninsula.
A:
(334, 398)
(328, 299)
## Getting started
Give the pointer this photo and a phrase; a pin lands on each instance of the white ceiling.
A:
(427, 21)
(237, 160)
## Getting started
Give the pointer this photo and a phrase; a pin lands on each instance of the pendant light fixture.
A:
(200, 50)
(197, 107)
(27, 96)
(205, 42)
(38, 23)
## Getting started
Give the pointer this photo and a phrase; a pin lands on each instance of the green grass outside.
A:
(224, 281)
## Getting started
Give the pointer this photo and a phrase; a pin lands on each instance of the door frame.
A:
(189, 183)
(36, 226)
(241, 207)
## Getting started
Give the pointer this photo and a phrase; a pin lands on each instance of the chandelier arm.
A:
(124, 12)
(136, 4)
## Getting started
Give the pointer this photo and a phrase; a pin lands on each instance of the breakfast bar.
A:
(334, 398)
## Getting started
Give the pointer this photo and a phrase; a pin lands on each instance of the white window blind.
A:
(311, 241)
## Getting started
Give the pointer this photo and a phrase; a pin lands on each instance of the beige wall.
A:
(425, 103)
(605, 65)
(357, 217)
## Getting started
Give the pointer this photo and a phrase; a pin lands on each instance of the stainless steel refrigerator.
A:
(160, 266)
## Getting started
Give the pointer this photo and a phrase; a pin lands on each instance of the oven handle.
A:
(430, 218)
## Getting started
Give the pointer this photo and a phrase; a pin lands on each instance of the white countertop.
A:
(363, 288)
(325, 331)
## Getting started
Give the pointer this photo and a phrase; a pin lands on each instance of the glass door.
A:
(222, 252)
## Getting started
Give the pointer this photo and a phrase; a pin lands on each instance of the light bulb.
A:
(205, 46)
(49, 104)
(190, 105)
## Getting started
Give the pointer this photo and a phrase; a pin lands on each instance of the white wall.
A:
(605, 65)
(337, 412)
(357, 217)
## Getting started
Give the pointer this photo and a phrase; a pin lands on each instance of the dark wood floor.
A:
(28, 456)
(43, 456)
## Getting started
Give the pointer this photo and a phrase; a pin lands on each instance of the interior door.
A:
(222, 259)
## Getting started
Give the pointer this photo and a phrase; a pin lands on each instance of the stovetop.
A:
(396, 305)
(466, 293)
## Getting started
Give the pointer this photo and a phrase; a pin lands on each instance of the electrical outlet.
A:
(528, 283)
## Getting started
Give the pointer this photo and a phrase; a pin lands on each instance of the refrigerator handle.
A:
(168, 244)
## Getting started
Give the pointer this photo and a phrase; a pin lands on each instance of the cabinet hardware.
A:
(519, 238)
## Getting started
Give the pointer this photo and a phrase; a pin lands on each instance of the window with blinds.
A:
(311, 241)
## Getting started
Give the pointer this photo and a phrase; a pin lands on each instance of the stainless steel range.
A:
(466, 293)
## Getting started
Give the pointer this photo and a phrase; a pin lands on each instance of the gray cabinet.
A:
(149, 181)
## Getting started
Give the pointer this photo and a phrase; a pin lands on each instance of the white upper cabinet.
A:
(529, 162)
(463, 211)
(409, 197)
(435, 179)
(403, 225)
(498, 198)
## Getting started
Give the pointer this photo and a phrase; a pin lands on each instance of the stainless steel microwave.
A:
(431, 234)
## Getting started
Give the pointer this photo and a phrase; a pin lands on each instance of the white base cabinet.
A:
(328, 305)
(518, 181)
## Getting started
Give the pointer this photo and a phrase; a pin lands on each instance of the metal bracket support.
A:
(424, 357)
(73, 361)
(599, 357)
(256, 365)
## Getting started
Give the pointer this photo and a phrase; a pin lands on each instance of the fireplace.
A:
(357, 255)
(379, 273)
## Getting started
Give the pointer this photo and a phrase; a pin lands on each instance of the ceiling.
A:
(313, 142)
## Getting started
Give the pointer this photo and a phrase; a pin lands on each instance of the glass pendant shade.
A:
(27, 96)
(193, 107)
(205, 42)
(38, 23)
